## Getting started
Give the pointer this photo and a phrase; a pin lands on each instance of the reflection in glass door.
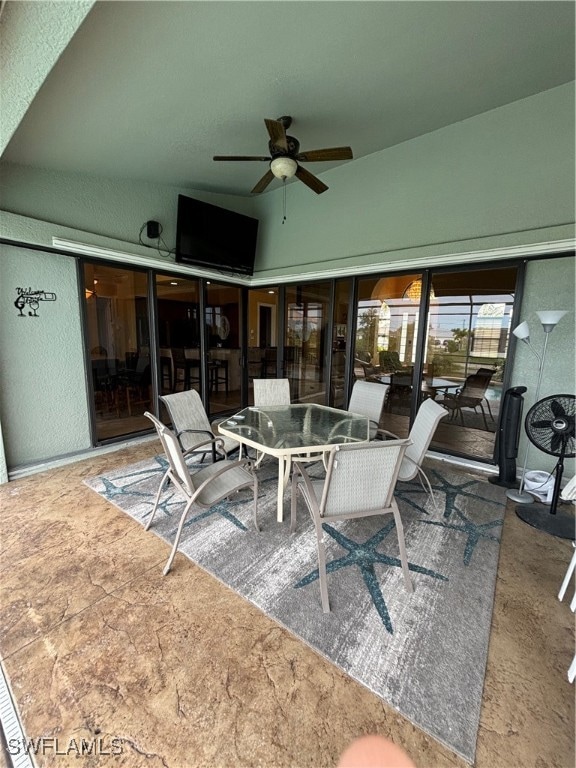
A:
(340, 318)
(307, 310)
(467, 342)
(178, 311)
(116, 308)
(386, 341)
(461, 364)
(223, 359)
(262, 352)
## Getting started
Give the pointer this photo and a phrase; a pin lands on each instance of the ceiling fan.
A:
(285, 157)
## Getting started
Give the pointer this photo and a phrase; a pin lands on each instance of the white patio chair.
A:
(368, 399)
(359, 482)
(205, 487)
(271, 392)
(191, 425)
(427, 419)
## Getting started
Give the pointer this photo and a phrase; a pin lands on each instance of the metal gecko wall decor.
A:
(26, 296)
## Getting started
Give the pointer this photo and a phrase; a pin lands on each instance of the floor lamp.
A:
(549, 320)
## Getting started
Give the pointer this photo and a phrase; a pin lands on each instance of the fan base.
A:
(538, 516)
(520, 497)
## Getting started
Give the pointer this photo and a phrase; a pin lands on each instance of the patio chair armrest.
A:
(226, 467)
(209, 435)
(386, 433)
(214, 442)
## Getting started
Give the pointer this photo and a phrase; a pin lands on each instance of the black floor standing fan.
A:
(550, 427)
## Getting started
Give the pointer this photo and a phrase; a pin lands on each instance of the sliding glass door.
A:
(341, 343)
(179, 328)
(437, 334)
(117, 326)
(386, 341)
(263, 321)
(223, 359)
(306, 316)
(467, 337)
(457, 358)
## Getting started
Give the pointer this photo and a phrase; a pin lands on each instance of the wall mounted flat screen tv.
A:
(214, 237)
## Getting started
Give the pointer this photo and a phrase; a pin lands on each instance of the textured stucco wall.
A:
(550, 284)
(43, 401)
(34, 34)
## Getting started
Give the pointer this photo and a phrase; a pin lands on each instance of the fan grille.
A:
(550, 425)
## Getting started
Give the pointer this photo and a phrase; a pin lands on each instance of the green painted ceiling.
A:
(152, 90)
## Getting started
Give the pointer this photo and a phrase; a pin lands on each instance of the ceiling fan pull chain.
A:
(283, 200)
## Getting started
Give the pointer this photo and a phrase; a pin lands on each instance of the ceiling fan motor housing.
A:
(293, 148)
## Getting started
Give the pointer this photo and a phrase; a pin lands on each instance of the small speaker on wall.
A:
(152, 230)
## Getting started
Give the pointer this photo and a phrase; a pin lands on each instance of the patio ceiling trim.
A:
(399, 265)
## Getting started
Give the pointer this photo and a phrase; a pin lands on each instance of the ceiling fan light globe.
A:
(283, 167)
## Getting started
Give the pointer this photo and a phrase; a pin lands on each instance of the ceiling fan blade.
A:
(263, 183)
(319, 155)
(277, 134)
(310, 180)
(241, 157)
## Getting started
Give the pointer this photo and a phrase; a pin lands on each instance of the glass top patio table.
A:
(287, 432)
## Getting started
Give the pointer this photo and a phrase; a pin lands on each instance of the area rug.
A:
(423, 653)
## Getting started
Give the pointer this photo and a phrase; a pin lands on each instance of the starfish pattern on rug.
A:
(406, 495)
(218, 509)
(473, 531)
(113, 490)
(365, 556)
(452, 490)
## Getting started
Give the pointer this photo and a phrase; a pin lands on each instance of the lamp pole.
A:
(520, 496)
(549, 320)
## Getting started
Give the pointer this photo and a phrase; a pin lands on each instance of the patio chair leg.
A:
(322, 571)
(425, 483)
(293, 502)
(567, 577)
(177, 539)
(157, 499)
(402, 547)
(256, 504)
(572, 670)
(484, 416)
